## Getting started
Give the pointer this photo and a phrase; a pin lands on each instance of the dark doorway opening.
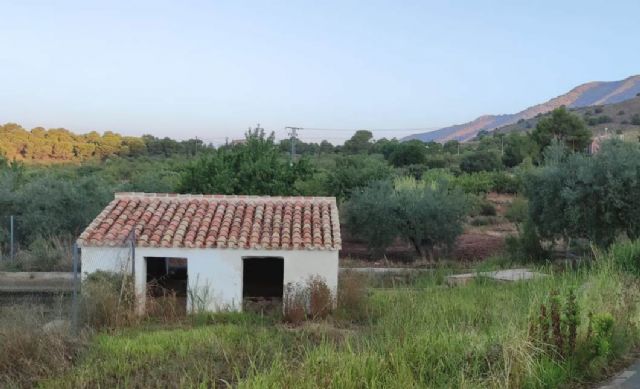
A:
(262, 282)
(167, 282)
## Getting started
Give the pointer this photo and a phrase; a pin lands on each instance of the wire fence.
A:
(34, 292)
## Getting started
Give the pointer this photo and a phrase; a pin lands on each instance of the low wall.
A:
(36, 282)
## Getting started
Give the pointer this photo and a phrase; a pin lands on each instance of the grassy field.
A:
(427, 334)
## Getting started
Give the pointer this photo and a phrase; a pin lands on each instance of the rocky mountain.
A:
(585, 95)
(621, 118)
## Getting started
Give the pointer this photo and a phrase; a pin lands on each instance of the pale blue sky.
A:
(212, 68)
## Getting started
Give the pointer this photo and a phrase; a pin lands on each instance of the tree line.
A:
(59, 144)
(418, 192)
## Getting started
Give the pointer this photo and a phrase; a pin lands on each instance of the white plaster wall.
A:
(215, 275)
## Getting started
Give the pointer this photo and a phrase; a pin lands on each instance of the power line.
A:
(369, 129)
(293, 134)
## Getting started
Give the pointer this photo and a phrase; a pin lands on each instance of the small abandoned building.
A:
(214, 250)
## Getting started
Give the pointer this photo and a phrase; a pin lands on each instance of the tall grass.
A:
(429, 335)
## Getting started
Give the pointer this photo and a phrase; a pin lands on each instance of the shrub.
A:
(600, 334)
(52, 254)
(108, 301)
(518, 210)
(320, 299)
(475, 183)
(313, 300)
(626, 255)
(554, 327)
(635, 119)
(503, 182)
(487, 208)
(526, 246)
(480, 161)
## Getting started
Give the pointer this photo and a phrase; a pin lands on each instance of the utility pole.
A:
(293, 134)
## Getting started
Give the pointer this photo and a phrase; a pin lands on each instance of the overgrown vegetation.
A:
(563, 329)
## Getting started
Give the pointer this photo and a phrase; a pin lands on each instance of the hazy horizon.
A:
(213, 69)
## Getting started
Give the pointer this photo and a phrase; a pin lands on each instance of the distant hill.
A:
(589, 94)
(619, 117)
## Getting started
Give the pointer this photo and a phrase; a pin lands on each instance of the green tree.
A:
(480, 161)
(356, 171)
(370, 215)
(596, 198)
(409, 153)
(427, 215)
(359, 143)
(256, 167)
(517, 147)
(451, 147)
(431, 216)
(564, 126)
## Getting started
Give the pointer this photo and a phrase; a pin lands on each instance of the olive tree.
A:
(596, 198)
(425, 215)
(371, 215)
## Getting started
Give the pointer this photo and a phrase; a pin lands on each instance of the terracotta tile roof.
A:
(217, 221)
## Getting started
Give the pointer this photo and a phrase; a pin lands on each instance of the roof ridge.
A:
(120, 195)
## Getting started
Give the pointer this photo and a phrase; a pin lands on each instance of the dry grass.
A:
(311, 300)
(352, 295)
(30, 352)
(294, 305)
(321, 301)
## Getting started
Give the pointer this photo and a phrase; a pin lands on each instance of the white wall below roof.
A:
(215, 275)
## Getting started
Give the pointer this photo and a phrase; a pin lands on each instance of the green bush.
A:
(626, 255)
(479, 161)
(526, 245)
(518, 210)
(504, 182)
(476, 183)
(487, 208)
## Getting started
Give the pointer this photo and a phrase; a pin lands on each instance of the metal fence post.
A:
(11, 256)
(133, 255)
(74, 308)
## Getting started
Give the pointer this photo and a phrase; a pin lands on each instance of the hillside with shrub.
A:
(591, 94)
(619, 118)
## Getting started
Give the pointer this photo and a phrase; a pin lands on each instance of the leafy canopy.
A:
(596, 198)
(256, 167)
(563, 126)
(427, 215)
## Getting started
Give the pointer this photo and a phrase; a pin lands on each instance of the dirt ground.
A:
(476, 243)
